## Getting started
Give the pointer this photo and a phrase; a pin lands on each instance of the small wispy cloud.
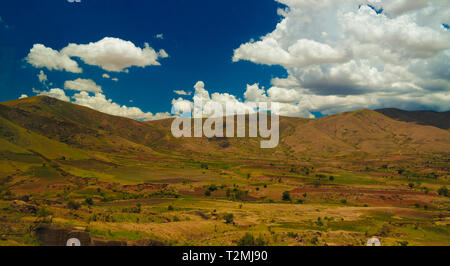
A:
(181, 92)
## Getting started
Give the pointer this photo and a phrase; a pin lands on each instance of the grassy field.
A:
(191, 202)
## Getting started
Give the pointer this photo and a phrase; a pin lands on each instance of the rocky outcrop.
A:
(51, 236)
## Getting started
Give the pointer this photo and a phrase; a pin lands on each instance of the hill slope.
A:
(360, 131)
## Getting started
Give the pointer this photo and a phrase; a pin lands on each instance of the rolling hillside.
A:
(360, 131)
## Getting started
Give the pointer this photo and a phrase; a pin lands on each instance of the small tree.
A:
(286, 196)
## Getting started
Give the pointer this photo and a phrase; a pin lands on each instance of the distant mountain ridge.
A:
(427, 118)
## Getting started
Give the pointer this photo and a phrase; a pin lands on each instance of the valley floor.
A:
(219, 203)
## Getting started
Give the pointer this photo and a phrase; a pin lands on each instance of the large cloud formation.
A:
(254, 94)
(111, 54)
(347, 54)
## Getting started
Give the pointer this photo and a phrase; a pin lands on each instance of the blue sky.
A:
(314, 59)
(199, 37)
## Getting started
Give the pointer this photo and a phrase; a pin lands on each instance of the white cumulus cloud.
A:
(100, 103)
(181, 92)
(44, 57)
(56, 93)
(82, 85)
(114, 54)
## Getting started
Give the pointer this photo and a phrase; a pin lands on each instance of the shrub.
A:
(385, 230)
(292, 235)
(208, 193)
(249, 240)
(237, 194)
(170, 208)
(225, 144)
(344, 201)
(73, 205)
(89, 201)
(403, 243)
(315, 241)
(319, 222)
(229, 218)
(43, 212)
(331, 178)
(136, 209)
(286, 196)
(443, 191)
(212, 188)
